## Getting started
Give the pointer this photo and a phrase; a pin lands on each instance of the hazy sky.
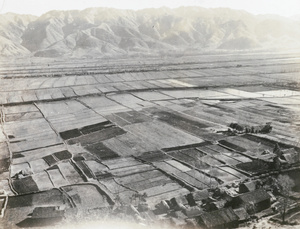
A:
(38, 7)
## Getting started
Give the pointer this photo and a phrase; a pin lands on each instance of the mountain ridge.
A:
(110, 32)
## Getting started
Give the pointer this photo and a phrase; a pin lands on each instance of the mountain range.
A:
(111, 32)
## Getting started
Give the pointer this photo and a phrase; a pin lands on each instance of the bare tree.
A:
(285, 184)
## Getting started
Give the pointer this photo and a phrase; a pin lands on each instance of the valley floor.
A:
(144, 142)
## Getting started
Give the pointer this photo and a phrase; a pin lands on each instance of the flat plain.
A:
(91, 135)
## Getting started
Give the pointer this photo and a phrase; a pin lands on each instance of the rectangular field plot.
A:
(146, 180)
(4, 150)
(22, 112)
(32, 155)
(233, 172)
(256, 88)
(134, 176)
(116, 120)
(85, 90)
(220, 157)
(153, 156)
(29, 96)
(56, 177)
(42, 180)
(85, 169)
(209, 135)
(227, 160)
(207, 151)
(240, 93)
(223, 175)
(63, 155)
(152, 96)
(27, 132)
(116, 145)
(131, 141)
(97, 136)
(69, 172)
(99, 170)
(44, 140)
(20, 168)
(202, 94)
(279, 93)
(69, 115)
(121, 163)
(14, 97)
(254, 167)
(103, 105)
(182, 157)
(283, 101)
(152, 183)
(232, 146)
(254, 148)
(193, 153)
(121, 172)
(207, 179)
(209, 115)
(2, 137)
(192, 157)
(161, 135)
(230, 154)
(25, 185)
(101, 151)
(158, 190)
(132, 117)
(211, 160)
(52, 197)
(178, 165)
(50, 160)
(113, 186)
(130, 101)
(4, 165)
(181, 122)
(38, 165)
(187, 177)
(22, 116)
(93, 200)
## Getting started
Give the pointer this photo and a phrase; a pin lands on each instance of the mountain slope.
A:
(109, 32)
(12, 27)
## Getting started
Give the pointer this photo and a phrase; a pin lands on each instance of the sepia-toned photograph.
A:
(150, 114)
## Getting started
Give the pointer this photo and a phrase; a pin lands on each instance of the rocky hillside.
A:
(110, 32)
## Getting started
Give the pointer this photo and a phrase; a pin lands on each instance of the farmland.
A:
(90, 136)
